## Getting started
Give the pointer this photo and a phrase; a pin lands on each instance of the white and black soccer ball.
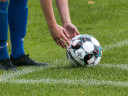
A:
(84, 50)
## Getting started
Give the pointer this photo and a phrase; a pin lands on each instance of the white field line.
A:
(118, 44)
(31, 70)
(121, 66)
(17, 73)
(7, 76)
(82, 82)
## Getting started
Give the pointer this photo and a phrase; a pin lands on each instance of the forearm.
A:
(64, 11)
(48, 12)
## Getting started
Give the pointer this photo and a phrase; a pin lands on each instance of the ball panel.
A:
(76, 37)
(72, 51)
(80, 53)
(91, 61)
(71, 59)
(88, 57)
(97, 60)
(76, 44)
(95, 42)
(100, 51)
(88, 47)
(88, 39)
(81, 63)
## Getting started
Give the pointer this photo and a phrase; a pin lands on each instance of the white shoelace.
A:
(1, 47)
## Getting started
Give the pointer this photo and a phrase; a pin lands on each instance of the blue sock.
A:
(3, 30)
(3, 50)
(17, 15)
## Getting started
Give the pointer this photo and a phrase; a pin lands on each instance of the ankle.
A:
(3, 50)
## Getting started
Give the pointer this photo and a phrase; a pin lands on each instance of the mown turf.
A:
(106, 20)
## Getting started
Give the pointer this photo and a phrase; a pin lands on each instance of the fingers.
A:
(65, 33)
(63, 45)
(75, 29)
(67, 37)
(57, 42)
(61, 42)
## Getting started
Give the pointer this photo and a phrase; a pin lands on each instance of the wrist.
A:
(52, 25)
(66, 22)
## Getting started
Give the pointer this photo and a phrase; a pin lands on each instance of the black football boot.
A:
(26, 61)
(6, 64)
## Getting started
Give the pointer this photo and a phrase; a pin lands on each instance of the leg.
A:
(5, 62)
(17, 15)
(3, 29)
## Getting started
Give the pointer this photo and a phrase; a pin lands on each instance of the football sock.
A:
(3, 50)
(17, 15)
(3, 30)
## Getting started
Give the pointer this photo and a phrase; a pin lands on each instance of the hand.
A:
(59, 35)
(71, 30)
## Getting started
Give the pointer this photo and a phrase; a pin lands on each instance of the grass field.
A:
(107, 20)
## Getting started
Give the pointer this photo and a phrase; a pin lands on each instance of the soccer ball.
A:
(84, 50)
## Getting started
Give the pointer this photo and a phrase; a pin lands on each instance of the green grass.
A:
(106, 20)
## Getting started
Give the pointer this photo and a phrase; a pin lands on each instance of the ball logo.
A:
(73, 59)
